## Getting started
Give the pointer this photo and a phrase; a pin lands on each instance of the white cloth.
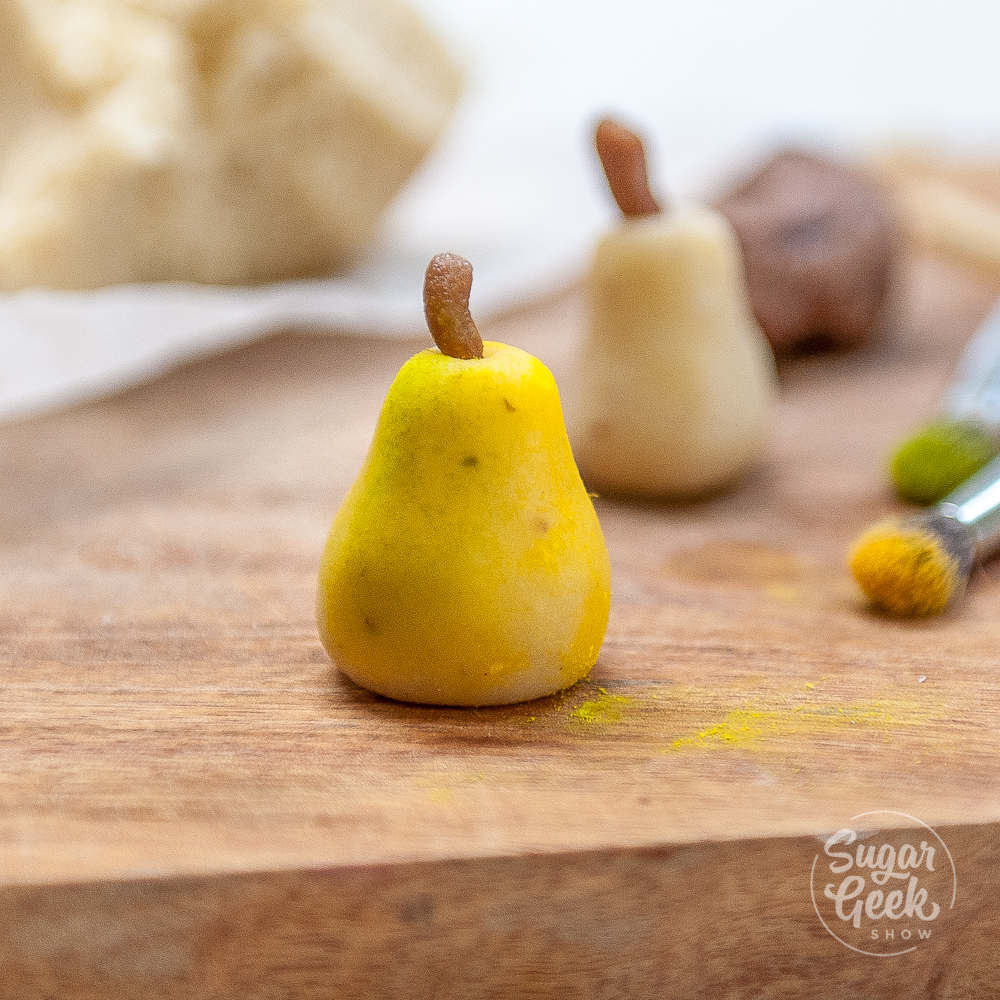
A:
(514, 186)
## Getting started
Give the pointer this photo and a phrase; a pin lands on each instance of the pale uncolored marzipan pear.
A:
(466, 565)
(675, 381)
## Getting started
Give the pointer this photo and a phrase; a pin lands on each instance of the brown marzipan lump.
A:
(819, 240)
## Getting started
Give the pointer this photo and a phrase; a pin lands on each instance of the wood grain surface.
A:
(193, 803)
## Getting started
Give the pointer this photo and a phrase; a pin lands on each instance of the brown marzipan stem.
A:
(447, 284)
(624, 160)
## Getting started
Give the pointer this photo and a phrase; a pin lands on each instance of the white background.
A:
(514, 185)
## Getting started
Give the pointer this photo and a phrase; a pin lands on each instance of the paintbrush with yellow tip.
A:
(918, 566)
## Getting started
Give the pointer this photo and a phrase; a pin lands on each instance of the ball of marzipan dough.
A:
(819, 242)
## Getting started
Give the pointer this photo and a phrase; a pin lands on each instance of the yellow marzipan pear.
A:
(466, 565)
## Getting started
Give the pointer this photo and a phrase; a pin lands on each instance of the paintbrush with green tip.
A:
(965, 434)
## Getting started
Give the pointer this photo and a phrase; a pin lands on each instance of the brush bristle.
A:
(928, 466)
(905, 570)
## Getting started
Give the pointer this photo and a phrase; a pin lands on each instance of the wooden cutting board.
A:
(193, 803)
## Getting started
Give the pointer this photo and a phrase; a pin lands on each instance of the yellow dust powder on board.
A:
(441, 796)
(443, 784)
(904, 570)
(749, 726)
(604, 710)
(782, 592)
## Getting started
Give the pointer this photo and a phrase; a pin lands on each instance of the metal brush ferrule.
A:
(976, 505)
(974, 393)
